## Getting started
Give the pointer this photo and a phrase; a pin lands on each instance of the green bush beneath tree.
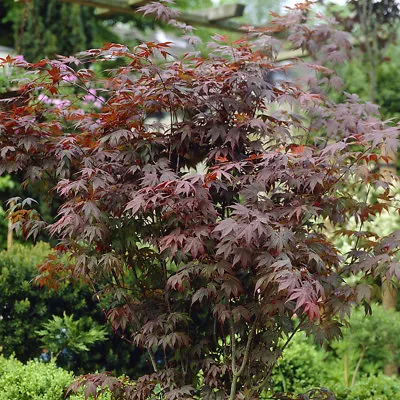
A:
(35, 381)
(25, 308)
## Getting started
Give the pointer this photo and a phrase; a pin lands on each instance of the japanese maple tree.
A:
(204, 234)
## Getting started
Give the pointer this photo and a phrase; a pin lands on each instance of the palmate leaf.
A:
(200, 295)
(159, 9)
(136, 204)
(363, 292)
(226, 226)
(194, 246)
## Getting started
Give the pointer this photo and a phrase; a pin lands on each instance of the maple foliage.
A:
(205, 234)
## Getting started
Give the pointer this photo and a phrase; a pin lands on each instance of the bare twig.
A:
(353, 381)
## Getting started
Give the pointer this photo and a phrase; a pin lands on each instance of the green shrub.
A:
(378, 387)
(35, 381)
(301, 367)
(32, 381)
(25, 308)
(365, 341)
(304, 366)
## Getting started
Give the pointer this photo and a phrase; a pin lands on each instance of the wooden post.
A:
(389, 302)
(346, 370)
(389, 290)
(9, 235)
(10, 230)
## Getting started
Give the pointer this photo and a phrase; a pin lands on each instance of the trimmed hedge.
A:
(35, 381)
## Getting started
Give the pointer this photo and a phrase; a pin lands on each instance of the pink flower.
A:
(69, 78)
(89, 98)
(61, 104)
(42, 97)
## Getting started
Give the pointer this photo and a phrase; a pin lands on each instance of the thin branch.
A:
(349, 167)
(165, 277)
(281, 352)
(233, 345)
(353, 258)
(215, 331)
(151, 354)
(166, 364)
(353, 381)
(247, 350)
(233, 356)
(293, 333)
(152, 358)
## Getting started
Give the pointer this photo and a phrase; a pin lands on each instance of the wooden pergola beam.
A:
(117, 6)
(221, 13)
(136, 3)
(215, 18)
